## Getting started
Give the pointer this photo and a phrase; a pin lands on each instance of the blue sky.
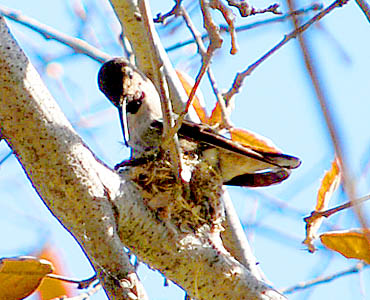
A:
(276, 101)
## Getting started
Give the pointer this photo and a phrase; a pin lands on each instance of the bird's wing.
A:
(203, 133)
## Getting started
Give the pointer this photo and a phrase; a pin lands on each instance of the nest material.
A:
(187, 205)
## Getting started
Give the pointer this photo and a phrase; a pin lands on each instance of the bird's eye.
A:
(133, 106)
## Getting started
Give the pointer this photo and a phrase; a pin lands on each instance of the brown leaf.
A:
(187, 83)
(329, 184)
(253, 140)
(20, 276)
(351, 244)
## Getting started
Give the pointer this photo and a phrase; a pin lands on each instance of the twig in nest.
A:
(170, 143)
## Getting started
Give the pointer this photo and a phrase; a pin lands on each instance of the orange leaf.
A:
(351, 244)
(51, 288)
(20, 276)
(187, 83)
(216, 116)
(253, 140)
(329, 184)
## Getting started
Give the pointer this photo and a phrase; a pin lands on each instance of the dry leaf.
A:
(51, 288)
(197, 102)
(216, 116)
(20, 276)
(253, 140)
(329, 184)
(351, 244)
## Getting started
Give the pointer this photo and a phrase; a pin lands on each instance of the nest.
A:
(187, 205)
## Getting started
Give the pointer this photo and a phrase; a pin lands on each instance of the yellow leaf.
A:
(187, 83)
(351, 244)
(253, 140)
(20, 276)
(51, 288)
(329, 184)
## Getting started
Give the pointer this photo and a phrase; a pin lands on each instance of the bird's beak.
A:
(123, 120)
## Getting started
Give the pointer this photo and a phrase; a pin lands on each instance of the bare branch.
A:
(76, 187)
(365, 8)
(249, 26)
(203, 52)
(174, 11)
(331, 211)
(80, 46)
(230, 20)
(238, 81)
(312, 69)
(245, 9)
(136, 32)
(324, 279)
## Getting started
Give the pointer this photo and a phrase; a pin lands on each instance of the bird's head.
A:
(133, 94)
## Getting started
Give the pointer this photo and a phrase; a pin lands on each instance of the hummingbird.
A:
(139, 107)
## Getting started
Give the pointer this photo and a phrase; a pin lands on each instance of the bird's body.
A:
(141, 118)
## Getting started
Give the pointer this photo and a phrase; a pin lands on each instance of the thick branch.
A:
(64, 172)
(135, 30)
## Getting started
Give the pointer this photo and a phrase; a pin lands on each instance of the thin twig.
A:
(230, 20)
(365, 8)
(202, 51)
(312, 69)
(174, 11)
(238, 81)
(224, 28)
(168, 122)
(324, 279)
(48, 32)
(331, 211)
(6, 157)
(214, 44)
(84, 296)
(245, 9)
(82, 284)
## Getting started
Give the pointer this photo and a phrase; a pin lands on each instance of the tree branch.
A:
(76, 187)
(312, 70)
(48, 32)
(136, 32)
(324, 279)
(238, 81)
